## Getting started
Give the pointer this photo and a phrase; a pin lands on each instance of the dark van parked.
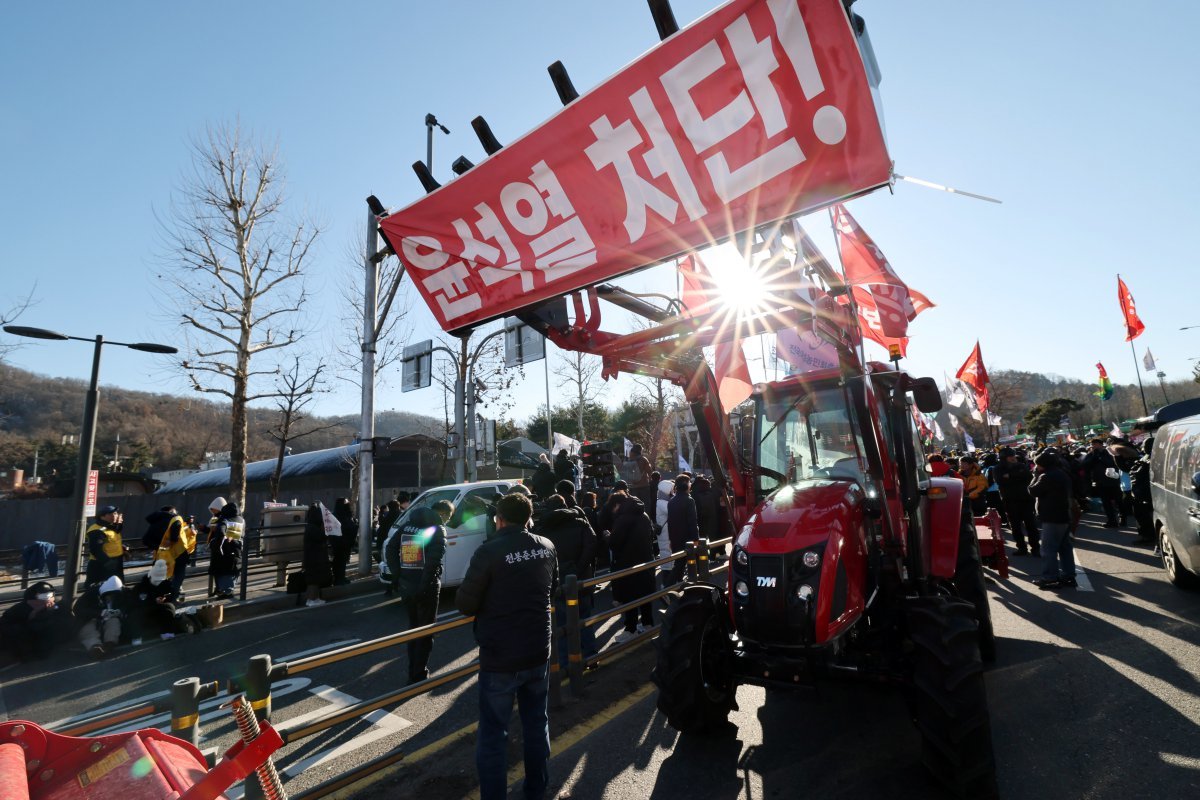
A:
(1175, 486)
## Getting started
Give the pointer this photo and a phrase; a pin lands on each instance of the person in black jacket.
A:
(632, 543)
(708, 509)
(1051, 487)
(1106, 481)
(225, 548)
(543, 479)
(415, 557)
(682, 523)
(342, 545)
(575, 543)
(508, 587)
(1013, 476)
(317, 572)
(35, 625)
(1143, 505)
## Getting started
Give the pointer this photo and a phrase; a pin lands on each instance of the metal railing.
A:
(261, 672)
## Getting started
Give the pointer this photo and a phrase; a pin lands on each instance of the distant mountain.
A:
(158, 431)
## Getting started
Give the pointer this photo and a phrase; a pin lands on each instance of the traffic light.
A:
(599, 463)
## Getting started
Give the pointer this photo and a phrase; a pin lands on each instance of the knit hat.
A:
(113, 584)
(158, 572)
(216, 505)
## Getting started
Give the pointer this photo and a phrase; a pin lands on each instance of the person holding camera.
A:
(106, 551)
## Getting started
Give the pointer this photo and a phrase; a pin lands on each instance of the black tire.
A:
(968, 583)
(694, 671)
(949, 701)
(1177, 573)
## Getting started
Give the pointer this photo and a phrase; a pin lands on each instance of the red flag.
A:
(1133, 325)
(1103, 373)
(870, 324)
(974, 374)
(730, 367)
(864, 262)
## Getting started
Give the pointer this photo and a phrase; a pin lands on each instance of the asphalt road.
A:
(1095, 695)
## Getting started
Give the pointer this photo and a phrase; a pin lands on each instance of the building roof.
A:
(316, 462)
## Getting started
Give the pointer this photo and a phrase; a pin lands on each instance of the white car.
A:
(465, 530)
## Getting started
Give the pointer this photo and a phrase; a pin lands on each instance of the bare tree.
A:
(391, 330)
(235, 274)
(10, 315)
(661, 396)
(580, 373)
(295, 389)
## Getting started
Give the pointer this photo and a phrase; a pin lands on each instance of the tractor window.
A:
(808, 435)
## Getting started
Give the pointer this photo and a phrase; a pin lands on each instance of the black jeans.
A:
(1110, 499)
(1023, 522)
(422, 610)
(340, 549)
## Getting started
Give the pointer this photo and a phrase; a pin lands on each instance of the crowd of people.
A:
(1041, 494)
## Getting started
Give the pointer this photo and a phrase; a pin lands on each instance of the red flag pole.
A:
(1145, 407)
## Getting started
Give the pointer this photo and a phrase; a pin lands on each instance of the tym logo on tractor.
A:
(849, 560)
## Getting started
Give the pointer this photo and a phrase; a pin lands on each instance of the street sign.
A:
(93, 488)
(416, 366)
(522, 344)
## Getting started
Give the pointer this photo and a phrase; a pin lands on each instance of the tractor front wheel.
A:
(694, 671)
(949, 702)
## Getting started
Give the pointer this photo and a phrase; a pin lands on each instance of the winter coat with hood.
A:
(317, 569)
(543, 480)
(1051, 488)
(708, 512)
(416, 554)
(225, 541)
(974, 484)
(574, 541)
(632, 543)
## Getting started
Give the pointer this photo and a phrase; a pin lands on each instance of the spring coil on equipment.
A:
(248, 728)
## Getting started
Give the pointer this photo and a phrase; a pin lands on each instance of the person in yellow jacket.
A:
(106, 551)
(975, 485)
(174, 545)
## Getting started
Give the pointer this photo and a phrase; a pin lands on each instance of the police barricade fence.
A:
(255, 683)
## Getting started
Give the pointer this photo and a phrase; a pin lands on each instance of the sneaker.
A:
(312, 603)
(98, 651)
(624, 636)
(1067, 583)
(1046, 584)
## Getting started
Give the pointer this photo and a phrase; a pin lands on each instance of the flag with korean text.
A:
(759, 111)
(1133, 325)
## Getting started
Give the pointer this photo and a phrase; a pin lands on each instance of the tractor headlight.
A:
(741, 558)
(804, 591)
(811, 559)
(741, 589)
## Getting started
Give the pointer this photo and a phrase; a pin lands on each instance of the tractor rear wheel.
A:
(694, 671)
(968, 582)
(949, 701)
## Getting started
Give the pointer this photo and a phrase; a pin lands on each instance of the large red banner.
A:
(758, 111)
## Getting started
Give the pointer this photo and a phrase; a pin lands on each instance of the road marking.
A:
(384, 723)
(1081, 578)
(163, 721)
(1175, 760)
(315, 650)
(95, 712)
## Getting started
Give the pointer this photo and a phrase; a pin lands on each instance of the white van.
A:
(465, 530)
(1175, 487)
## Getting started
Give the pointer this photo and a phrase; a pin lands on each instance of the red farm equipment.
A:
(849, 559)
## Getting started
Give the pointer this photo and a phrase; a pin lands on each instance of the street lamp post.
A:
(87, 442)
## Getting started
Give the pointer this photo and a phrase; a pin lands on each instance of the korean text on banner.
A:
(759, 111)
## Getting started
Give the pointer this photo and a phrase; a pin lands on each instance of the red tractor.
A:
(849, 559)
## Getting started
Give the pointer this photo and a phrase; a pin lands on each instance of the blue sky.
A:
(1079, 116)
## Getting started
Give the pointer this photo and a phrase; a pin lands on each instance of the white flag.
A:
(953, 420)
(993, 420)
(332, 526)
(628, 447)
(1116, 431)
(562, 442)
(937, 431)
(970, 442)
(1148, 360)
(683, 465)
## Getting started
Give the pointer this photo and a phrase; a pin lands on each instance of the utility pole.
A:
(366, 453)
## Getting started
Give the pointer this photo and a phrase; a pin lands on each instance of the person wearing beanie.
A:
(214, 515)
(102, 610)
(225, 549)
(35, 625)
(1051, 488)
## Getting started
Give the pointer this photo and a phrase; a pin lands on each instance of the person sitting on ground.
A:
(35, 625)
(101, 611)
(152, 611)
(225, 549)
